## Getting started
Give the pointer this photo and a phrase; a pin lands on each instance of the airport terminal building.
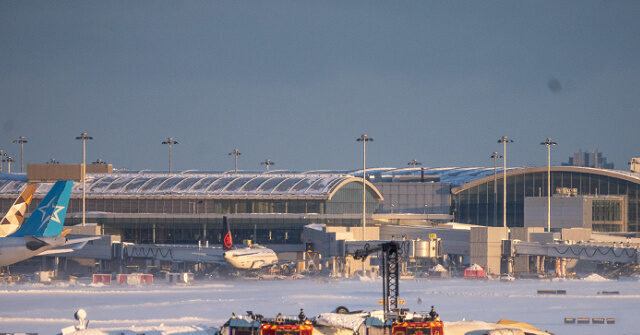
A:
(273, 207)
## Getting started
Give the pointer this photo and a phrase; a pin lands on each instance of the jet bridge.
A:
(174, 253)
(583, 251)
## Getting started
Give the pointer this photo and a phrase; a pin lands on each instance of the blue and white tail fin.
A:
(48, 218)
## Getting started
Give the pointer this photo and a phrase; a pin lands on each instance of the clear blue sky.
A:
(298, 81)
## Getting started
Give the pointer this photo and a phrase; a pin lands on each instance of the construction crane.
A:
(390, 271)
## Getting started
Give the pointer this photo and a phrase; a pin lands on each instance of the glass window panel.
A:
(169, 184)
(286, 185)
(4, 182)
(302, 185)
(135, 185)
(101, 183)
(203, 184)
(152, 184)
(321, 184)
(220, 184)
(186, 183)
(254, 184)
(270, 184)
(13, 187)
(118, 184)
(236, 184)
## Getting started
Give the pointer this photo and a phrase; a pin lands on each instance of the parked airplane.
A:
(252, 257)
(15, 216)
(43, 229)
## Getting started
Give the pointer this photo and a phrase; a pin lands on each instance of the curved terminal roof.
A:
(454, 175)
(628, 176)
(249, 185)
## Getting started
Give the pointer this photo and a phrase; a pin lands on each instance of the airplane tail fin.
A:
(48, 218)
(15, 216)
(227, 241)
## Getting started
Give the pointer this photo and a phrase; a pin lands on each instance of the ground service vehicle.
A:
(305, 328)
(256, 324)
(418, 328)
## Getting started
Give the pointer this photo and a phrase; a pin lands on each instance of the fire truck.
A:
(417, 328)
(256, 324)
(305, 328)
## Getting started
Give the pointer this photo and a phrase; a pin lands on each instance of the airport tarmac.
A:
(48, 308)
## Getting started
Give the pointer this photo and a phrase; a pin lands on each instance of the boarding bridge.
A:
(174, 253)
(588, 252)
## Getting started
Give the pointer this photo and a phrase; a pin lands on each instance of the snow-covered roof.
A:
(203, 184)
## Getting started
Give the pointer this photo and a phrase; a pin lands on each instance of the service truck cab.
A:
(418, 328)
(305, 328)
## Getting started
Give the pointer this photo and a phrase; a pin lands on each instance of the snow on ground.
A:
(595, 277)
(48, 308)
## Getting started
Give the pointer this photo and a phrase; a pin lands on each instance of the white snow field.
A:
(192, 309)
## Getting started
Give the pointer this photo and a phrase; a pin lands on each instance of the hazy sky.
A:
(298, 81)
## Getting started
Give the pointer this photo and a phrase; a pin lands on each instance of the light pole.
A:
(548, 142)
(495, 157)
(21, 140)
(84, 137)
(8, 160)
(414, 163)
(170, 141)
(364, 139)
(235, 154)
(267, 163)
(2, 156)
(504, 140)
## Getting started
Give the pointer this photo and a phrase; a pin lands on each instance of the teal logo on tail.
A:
(48, 218)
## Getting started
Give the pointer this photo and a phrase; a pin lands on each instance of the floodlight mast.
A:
(548, 142)
(495, 157)
(414, 163)
(21, 140)
(170, 141)
(84, 137)
(8, 160)
(2, 156)
(267, 162)
(235, 154)
(504, 140)
(364, 139)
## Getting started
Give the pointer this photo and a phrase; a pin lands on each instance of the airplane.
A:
(15, 216)
(252, 257)
(43, 229)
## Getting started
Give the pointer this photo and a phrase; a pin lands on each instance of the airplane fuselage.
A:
(16, 249)
(250, 258)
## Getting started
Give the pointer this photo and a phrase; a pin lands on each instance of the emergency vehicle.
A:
(258, 325)
(418, 328)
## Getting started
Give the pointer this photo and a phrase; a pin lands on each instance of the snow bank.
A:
(595, 277)
(349, 321)
(438, 268)
(158, 330)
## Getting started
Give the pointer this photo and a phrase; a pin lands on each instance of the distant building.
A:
(589, 159)
(635, 165)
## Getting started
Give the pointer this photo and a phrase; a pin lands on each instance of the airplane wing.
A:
(55, 252)
(75, 244)
(293, 261)
(81, 240)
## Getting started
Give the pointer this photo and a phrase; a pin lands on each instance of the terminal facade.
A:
(273, 207)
